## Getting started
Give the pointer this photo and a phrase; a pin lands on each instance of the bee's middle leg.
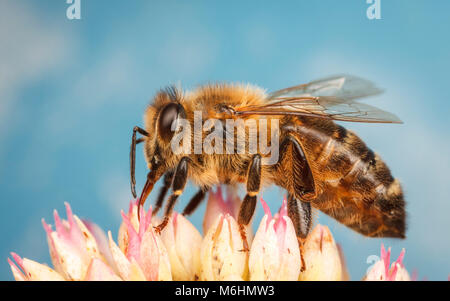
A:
(248, 205)
(178, 184)
(168, 177)
(195, 201)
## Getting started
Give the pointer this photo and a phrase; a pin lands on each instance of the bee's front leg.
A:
(152, 177)
(178, 184)
(249, 203)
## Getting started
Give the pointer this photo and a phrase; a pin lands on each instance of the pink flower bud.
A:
(381, 271)
(217, 205)
(102, 242)
(72, 246)
(128, 269)
(275, 254)
(29, 270)
(182, 241)
(222, 251)
(322, 257)
(140, 243)
(99, 271)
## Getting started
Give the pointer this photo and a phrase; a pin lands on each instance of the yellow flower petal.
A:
(40, 272)
(99, 271)
(182, 241)
(136, 273)
(273, 257)
(91, 244)
(73, 263)
(321, 257)
(222, 251)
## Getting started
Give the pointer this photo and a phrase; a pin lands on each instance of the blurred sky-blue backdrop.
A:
(71, 91)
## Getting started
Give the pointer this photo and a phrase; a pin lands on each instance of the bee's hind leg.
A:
(303, 187)
(300, 214)
(178, 184)
(249, 203)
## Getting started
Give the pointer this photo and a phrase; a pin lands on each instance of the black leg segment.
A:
(178, 184)
(300, 214)
(195, 201)
(163, 191)
(253, 184)
(248, 205)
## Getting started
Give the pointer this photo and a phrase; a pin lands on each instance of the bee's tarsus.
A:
(245, 247)
(302, 258)
(161, 226)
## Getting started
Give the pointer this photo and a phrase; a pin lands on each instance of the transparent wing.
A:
(329, 107)
(341, 86)
(331, 98)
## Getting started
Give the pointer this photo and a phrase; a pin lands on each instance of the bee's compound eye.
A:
(169, 114)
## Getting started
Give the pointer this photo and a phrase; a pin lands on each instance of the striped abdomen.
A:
(353, 185)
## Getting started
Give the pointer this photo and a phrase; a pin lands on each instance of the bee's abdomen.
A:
(354, 185)
(374, 196)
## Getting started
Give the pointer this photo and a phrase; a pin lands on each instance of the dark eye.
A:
(169, 114)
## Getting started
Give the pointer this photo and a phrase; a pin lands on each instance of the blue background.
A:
(71, 91)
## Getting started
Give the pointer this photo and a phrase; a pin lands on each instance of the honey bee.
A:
(321, 165)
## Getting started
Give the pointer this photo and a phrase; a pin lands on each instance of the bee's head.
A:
(161, 121)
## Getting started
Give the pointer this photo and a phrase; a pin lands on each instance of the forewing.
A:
(329, 107)
(341, 86)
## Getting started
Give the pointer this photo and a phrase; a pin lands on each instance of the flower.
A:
(32, 270)
(322, 257)
(144, 251)
(102, 242)
(99, 271)
(217, 205)
(222, 251)
(345, 274)
(381, 271)
(72, 246)
(275, 253)
(80, 250)
(183, 242)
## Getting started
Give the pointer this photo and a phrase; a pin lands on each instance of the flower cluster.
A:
(381, 271)
(80, 250)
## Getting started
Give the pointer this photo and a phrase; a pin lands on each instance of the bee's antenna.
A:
(133, 156)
